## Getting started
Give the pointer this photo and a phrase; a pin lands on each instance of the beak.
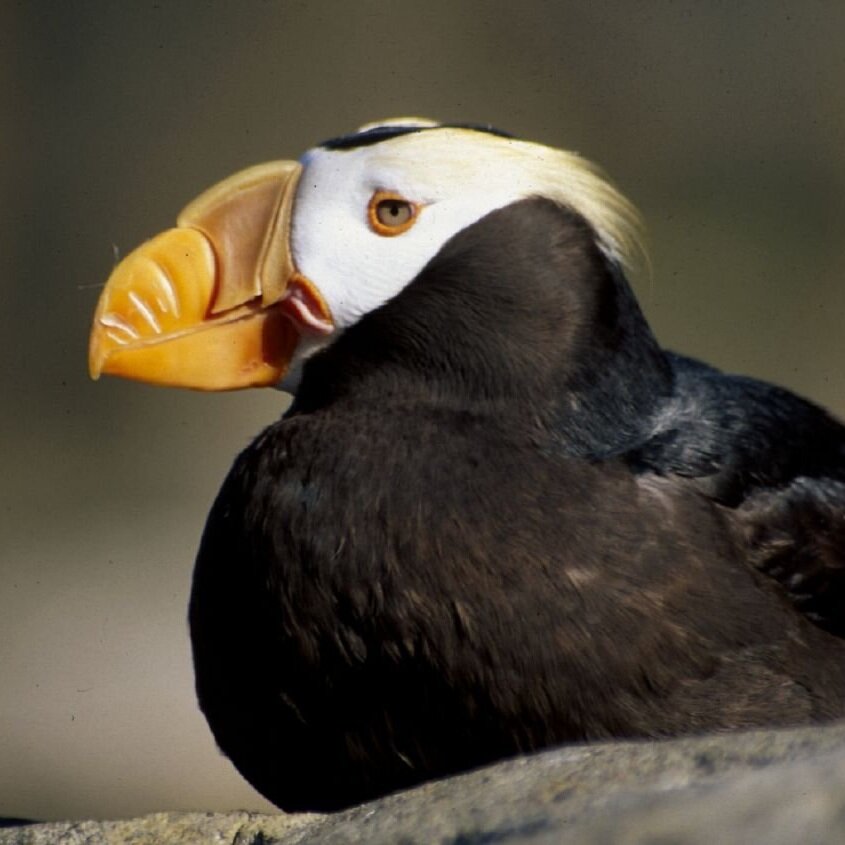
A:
(216, 303)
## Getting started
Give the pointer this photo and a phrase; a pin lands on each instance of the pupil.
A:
(394, 212)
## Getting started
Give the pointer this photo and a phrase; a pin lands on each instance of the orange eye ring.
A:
(391, 214)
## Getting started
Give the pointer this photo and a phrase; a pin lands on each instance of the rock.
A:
(777, 787)
(162, 829)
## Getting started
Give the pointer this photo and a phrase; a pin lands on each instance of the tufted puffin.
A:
(498, 516)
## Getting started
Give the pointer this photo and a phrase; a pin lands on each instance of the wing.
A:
(777, 460)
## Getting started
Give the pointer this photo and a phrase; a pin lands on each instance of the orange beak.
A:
(216, 303)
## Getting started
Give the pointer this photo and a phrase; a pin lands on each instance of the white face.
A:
(454, 177)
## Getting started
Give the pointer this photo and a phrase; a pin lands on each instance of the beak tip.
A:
(96, 358)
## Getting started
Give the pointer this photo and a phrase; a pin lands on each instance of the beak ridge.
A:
(241, 217)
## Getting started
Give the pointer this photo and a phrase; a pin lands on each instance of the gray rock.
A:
(776, 787)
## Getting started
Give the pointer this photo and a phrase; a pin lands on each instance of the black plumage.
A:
(498, 517)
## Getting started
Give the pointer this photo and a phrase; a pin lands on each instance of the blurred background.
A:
(724, 122)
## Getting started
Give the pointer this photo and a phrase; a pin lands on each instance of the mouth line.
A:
(306, 311)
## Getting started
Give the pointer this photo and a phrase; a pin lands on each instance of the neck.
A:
(520, 316)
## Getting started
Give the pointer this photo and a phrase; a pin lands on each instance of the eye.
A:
(391, 214)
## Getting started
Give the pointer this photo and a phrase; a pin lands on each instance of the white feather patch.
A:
(457, 176)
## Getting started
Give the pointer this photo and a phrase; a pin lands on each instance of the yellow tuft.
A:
(529, 169)
(581, 185)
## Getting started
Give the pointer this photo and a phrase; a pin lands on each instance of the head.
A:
(281, 260)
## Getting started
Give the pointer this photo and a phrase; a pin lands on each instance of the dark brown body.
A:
(430, 565)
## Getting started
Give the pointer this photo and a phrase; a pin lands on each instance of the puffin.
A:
(498, 516)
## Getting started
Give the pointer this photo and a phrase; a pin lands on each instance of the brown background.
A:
(725, 122)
